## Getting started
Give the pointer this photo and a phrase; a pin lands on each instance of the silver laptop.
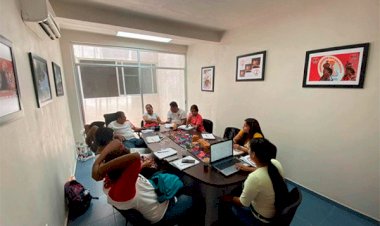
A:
(222, 159)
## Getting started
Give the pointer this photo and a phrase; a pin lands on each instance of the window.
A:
(113, 79)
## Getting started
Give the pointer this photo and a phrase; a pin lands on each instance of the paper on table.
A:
(184, 127)
(181, 165)
(147, 130)
(247, 159)
(165, 153)
(153, 139)
(238, 152)
(169, 125)
(208, 136)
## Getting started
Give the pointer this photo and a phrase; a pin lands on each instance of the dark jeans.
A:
(230, 214)
(134, 143)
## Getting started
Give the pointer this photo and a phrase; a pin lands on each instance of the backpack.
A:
(165, 185)
(78, 198)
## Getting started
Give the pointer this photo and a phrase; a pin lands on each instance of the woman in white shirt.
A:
(265, 193)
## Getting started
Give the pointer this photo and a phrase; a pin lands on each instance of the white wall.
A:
(37, 149)
(70, 37)
(327, 139)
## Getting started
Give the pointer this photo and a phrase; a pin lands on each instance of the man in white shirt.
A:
(124, 130)
(176, 115)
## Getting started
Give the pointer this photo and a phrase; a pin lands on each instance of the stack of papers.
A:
(184, 127)
(246, 159)
(153, 139)
(165, 153)
(208, 136)
(147, 130)
(181, 166)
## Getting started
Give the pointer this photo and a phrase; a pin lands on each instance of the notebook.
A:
(247, 159)
(208, 136)
(165, 153)
(181, 165)
(185, 127)
(222, 159)
(153, 139)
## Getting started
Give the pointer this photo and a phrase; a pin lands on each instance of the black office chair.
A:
(208, 125)
(230, 132)
(286, 216)
(99, 124)
(108, 118)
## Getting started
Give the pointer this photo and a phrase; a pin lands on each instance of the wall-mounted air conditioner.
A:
(39, 16)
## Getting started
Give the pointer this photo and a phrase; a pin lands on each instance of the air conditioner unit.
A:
(39, 16)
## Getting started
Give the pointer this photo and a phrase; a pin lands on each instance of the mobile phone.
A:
(188, 160)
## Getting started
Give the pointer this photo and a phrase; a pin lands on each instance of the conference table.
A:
(212, 183)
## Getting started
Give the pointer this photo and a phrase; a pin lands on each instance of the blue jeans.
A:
(178, 211)
(244, 215)
(134, 143)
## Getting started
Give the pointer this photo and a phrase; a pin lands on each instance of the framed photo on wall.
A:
(337, 67)
(10, 101)
(41, 79)
(250, 67)
(57, 79)
(207, 78)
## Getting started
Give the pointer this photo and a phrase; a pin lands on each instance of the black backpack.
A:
(78, 198)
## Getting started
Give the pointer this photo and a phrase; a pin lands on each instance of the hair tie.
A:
(257, 135)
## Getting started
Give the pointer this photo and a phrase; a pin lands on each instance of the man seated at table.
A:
(176, 115)
(124, 130)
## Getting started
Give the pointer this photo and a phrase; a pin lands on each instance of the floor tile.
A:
(107, 221)
(341, 217)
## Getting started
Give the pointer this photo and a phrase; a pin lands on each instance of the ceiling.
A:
(182, 20)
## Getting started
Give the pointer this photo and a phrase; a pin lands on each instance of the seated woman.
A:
(242, 139)
(127, 189)
(195, 119)
(150, 118)
(264, 194)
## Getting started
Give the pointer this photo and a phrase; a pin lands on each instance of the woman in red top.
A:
(195, 119)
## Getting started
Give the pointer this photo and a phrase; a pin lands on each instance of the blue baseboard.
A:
(334, 203)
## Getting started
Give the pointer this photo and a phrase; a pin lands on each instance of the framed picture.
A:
(41, 80)
(10, 100)
(207, 78)
(57, 79)
(250, 67)
(337, 67)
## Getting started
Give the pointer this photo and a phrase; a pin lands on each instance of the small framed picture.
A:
(337, 67)
(41, 80)
(57, 79)
(10, 100)
(207, 78)
(250, 67)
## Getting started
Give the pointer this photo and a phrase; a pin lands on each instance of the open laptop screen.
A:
(220, 150)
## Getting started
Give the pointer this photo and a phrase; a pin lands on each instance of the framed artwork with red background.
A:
(337, 67)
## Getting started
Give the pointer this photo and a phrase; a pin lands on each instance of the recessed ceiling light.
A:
(143, 37)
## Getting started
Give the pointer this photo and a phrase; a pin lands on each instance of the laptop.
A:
(222, 159)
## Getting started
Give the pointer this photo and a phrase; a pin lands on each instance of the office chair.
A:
(108, 118)
(99, 124)
(208, 125)
(286, 216)
(230, 132)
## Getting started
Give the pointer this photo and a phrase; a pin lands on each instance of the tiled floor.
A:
(313, 210)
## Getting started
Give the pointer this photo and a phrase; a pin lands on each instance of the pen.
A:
(162, 151)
